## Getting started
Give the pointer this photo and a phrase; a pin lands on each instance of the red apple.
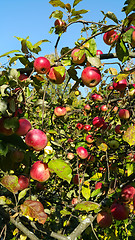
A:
(80, 126)
(124, 114)
(115, 109)
(87, 107)
(98, 122)
(24, 127)
(42, 65)
(110, 88)
(117, 129)
(89, 138)
(59, 23)
(127, 28)
(76, 57)
(70, 156)
(60, 111)
(110, 36)
(40, 171)
(128, 193)
(103, 108)
(120, 85)
(37, 139)
(99, 52)
(133, 39)
(91, 76)
(104, 219)
(96, 97)
(82, 152)
(23, 77)
(23, 182)
(55, 77)
(119, 211)
(98, 185)
(87, 127)
(74, 201)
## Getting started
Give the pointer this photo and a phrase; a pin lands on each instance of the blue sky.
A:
(31, 18)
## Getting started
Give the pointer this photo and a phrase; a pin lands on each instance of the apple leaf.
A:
(127, 36)
(96, 176)
(92, 49)
(57, 3)
(34, 209)
(113, 71)
(57, 14)
(76, 2)
(86, 192)
(76, 13)
(130, 168)
(40, 42)
(130, 7)
(61, 168)
(68, 7)
(7, 53)
(60, 70)
(22, 194)
(11, 123)
(121, 76)
(96, 192)
(129, 136)
(65, 212)
(95, 61)
(3, 106)
(87, 206)
(3, 148)
(11, 183)
(122, 51)
(111, 16)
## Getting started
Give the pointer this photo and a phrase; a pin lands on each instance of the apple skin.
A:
(115, 109)
(80, 126)
(110, 88)
(99, 52)
(98, 185)
(117, 129)
(59, 23)
(119, 211)
(24, 127)
(60, 111)
(89, 138)
(110, 36)
(128, 193)
(96, 97)
(3, 130)
(113, 144)
(87, 127)
(70, 156)
(87, 107)
(75, 59)
(17, 156)
(133, 39)
(124, 114)
(42, 65)
(55, 77)
(23, 77)
(74, 201)
(40, 171)
(23, 182)
(104, 219)
(91, 76)
(103, 108)
(82, 152)
(98, 122)
(37, 139)
(120, 85)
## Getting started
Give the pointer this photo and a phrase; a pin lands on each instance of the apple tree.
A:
(67, 160)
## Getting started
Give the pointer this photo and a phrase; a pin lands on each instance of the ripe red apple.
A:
(87, 127)
(87, 107)
(17, 156)
(98, 185)
(59, 23)
(3, 130)
(98, 122)
(23, 182)
(60, 111)
(80, 126)
(127, 28)
(110, 88)
(110, 36)
(74, 201)
(96, 97)
(118, 129)
(104, 219)
(99, 52)
(55, 77)
(128, 193)
(76, 58)
(37, 139)
(70, 156)
(91, 76)
(24, 127)
(40, 171)
(89, 138)
(115, 109)
(124, 114)
(42, 65)
(119, 211)
(120, 85)
(23, 77)
(103, 108)
(82, 152)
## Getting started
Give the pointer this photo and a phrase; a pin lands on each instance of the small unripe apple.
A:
(3, 130)
(98, 122)
(40, 171)
(99, 52)
(55, 77)
(119, 211)
(23, 182)
(36, 139)
(70, 156)
(128, 193)
(24, 127)
(104, 219)
(110, 36)
(82, 152)
(120, 85)
(60, 111)
(110, 88)
(124, 114)
(42, 65)
(91, 76)
(59, 23)
(114, 144)
(103, 108)
(76, 58)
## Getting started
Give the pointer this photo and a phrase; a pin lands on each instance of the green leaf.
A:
(130, 7)
(72, 73)
(75, 13)
(86, 192)
(61, 168)
(112, 16)
(57, 3)
(12, 123)
(24, 46)
(7, 53)
(122, 51)
(127, 36)
(57, 14)
(13, 74)
(3, 106)
(64, 212)
(96, 177)
(13, 59)
(3, 148)
(11, 183)
(40, 42)
(76, 2)
(60, 70)
(74, 18)
(87, 206)
(22, 194)
(91, 48)
(14, 140)
(129, 136)
(130, 168)
(95, 192)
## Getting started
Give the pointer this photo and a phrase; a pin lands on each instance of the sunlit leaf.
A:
(112, 71)
(129, 136)
(96, 176)
(112, 16)
(57, 3)
(11, 183)
(60, 70)
(122, 51)
(95, 61)
(57, 14)
(22, 194)
(8, 53)
(87, 206)
(76, 2)
(130, 168)
(64, 212)
(86, 192)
